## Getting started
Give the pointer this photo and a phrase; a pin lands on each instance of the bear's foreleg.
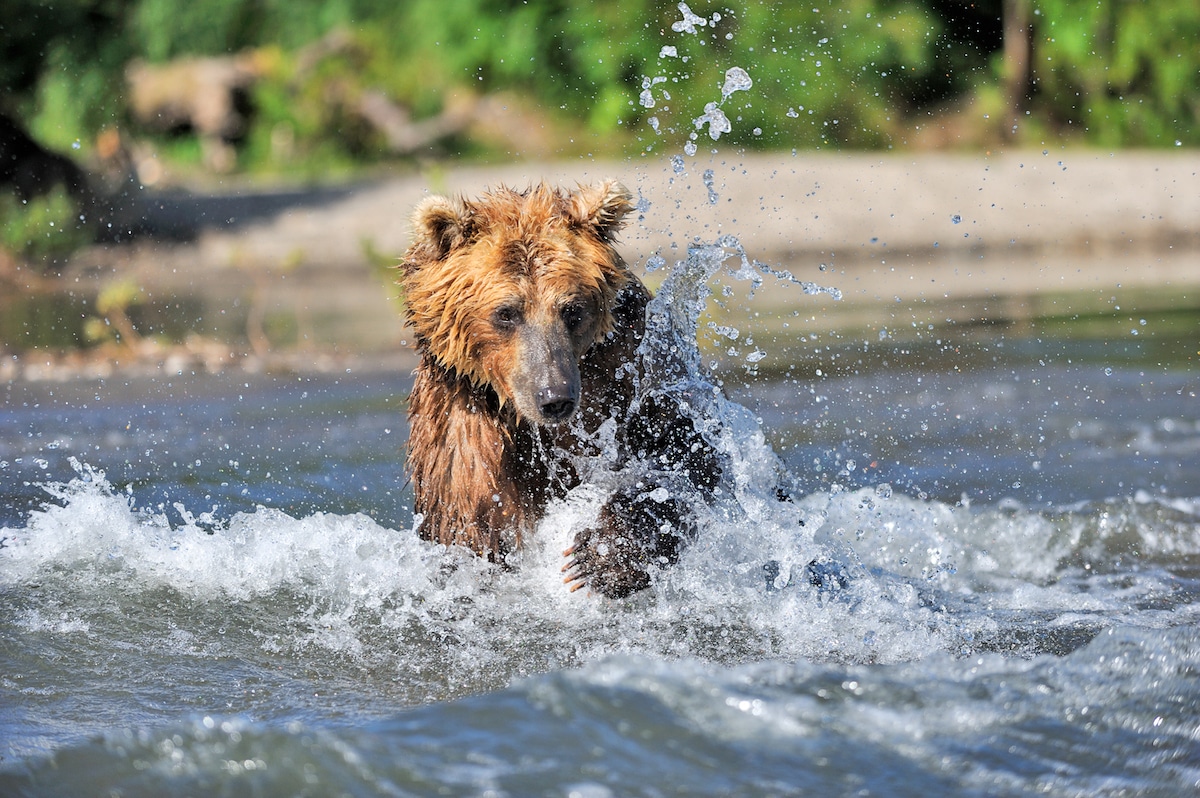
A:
(637, 531)
(645, 526)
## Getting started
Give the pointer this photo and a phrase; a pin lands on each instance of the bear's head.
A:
(511, 289)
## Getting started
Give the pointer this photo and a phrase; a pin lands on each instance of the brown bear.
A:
(529, 327)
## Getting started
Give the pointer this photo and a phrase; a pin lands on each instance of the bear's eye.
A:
(574, 314)
(506, 317)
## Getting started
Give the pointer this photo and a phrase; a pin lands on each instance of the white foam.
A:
(254, 553)
(356, 585)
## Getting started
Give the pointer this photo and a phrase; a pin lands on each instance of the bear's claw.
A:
(575, 578)
(634, 536)
(612, 565)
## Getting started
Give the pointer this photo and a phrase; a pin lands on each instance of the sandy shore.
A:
(934, 237)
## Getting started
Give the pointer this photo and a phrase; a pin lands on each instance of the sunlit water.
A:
(211, 586)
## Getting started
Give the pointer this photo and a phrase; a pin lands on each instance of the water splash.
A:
(752, 271)
(647, 96)
(709, 179)
(713, 117)
(736, 79)
(716, 120)
(690, 21)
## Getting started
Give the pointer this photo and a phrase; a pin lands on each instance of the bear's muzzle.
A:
(546, 390)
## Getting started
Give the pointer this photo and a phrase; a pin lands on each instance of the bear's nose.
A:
(556, 404)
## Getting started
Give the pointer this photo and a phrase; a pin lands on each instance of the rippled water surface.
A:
(210, 585)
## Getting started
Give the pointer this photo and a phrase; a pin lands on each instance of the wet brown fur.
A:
(483, 462)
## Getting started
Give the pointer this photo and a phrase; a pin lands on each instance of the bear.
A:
(529, 328)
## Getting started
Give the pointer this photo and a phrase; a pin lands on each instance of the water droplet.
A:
(1107, 371)
(689, 22)
(708, 183)
(883, 490)
(647, 97)
(956, 218)
(736, 79)
(716, 120)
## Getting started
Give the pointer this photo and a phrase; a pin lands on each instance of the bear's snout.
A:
(557, 403)
(556, 400)
(547, 386)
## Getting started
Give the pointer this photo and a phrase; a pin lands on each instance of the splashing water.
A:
(647, 96)
(718, 123)
(716, 120)
(815, 635)
(690, 21)
(736, 79)
(709, 178)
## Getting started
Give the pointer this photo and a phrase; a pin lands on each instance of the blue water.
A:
(210, 585)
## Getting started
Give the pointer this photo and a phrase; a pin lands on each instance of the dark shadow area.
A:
(180, 216)
(31, 171)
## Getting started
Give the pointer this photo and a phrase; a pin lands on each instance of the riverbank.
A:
(910, 239)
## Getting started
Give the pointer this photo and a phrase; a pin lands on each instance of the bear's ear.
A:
(440, 225)
(601, 207)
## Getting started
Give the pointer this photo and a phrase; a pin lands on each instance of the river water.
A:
(210, 585)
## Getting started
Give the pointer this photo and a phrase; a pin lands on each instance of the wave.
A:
(1102, 720)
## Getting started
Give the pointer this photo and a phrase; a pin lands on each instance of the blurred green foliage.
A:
(1124, 72)
(826, 73)
(43, 229)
